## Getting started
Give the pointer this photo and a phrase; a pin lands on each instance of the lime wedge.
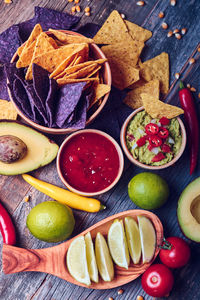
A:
(118, 245)
(148, 238)
(77, 262)
(133, 239)
(103, 258)
(91, 260)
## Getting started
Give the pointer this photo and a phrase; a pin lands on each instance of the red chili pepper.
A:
(151, 129)
(158, 157)
(163, 133)
(140, 142)
(155, 141)
(192, 126)
(6, 227)
(164, 121)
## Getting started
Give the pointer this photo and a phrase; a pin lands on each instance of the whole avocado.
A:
(148, 190)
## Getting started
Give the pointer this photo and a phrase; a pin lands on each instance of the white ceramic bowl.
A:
(135, 161)
(118, 150)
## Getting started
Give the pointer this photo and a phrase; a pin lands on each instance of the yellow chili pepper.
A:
(64, 196)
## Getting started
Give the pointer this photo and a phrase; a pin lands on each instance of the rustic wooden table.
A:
(41, 286)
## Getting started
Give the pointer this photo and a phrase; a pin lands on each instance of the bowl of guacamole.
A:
(152, 143)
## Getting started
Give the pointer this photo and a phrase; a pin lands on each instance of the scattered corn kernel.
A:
(26, 198)
(110, 298)
(161, 15)
(175, 31)
(173, 2)
(177, 75)
(76, 1)
(87, 9)
(178, 36)
(123, 16)
(78, 9)
(199, 95)
(7, 1)
(140, 297)
(198, 49)
(70, 0)
(191, 61)
(164, 25)
(183, 30)
(87, 14)
(120, 292)
(73, 9)
(169, 34)
(192, 89)
(140, 3)
(188, 86)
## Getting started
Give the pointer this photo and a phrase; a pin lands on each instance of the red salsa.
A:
(89, 162)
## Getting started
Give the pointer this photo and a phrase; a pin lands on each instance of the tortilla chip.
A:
(82, 50)
(157, 68)
(69, 38)
(77, 60)
(137, 84)
(83, 72)
(26, 56)
(100, 90)
(114, 30)
(66, 80)
(7, 110)
(20, 49)
(51, 59)
(133, 98)
(158, 109)
(94, 72)
(44, 43)
(138, 33)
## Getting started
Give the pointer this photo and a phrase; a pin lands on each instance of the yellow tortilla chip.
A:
(44, 43)
(26, 56)
(7, 110)
(137, 84)
(94, 72)
(77, 60)
(133, 98)
(158, 109)
(100, 90)
(66, 80)
(83, 72)
(20, 49)
(157, 68)
(138, 33)
(114, 30)
(82, 50)
(69, 38)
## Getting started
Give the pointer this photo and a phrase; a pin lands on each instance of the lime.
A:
(118, 245)
(147, 237)
(103, 258)
(51, 221)
(91, 260)
(148, 190)
(133, 239)
(77, 262)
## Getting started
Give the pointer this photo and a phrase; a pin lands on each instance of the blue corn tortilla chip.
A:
(3, 85)
(89, 29)
(49, 18)
(51, 101)
(41, 83)
(69, 96)
(9, 42)
(80, 115)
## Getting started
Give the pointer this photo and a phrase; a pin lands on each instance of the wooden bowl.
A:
(53, 260)
(142, 165)
(118, 150)
(96, 53)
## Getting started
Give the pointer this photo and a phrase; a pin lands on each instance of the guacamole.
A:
(153, 142)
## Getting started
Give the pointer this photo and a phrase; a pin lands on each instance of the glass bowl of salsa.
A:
(150, 143)
(90, 162)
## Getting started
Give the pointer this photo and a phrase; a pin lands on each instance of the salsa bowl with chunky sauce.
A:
(90, 162)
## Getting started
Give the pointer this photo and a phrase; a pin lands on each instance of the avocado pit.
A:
(12, 149)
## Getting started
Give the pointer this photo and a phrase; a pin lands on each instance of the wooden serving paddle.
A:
(53, 260)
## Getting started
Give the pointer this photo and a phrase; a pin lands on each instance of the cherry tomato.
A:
(140, 142)
(158, 157)
(155, 141)
(178, 255)
(163, 133)
(151, 128)
(164, 121)
(157, 280)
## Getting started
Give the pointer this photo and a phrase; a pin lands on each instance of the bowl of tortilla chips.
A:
(58, 81)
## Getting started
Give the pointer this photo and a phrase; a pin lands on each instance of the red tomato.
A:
(179, 254)
(164, 121)
(158, 157)
(141, 142)
(151, 129)
(158, 280)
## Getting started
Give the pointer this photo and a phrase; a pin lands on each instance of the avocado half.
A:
(188, 211)
(41, 150)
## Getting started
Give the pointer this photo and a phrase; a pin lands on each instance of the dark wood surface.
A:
(13, 189)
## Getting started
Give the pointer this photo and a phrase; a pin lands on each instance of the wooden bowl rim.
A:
(90, 119)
